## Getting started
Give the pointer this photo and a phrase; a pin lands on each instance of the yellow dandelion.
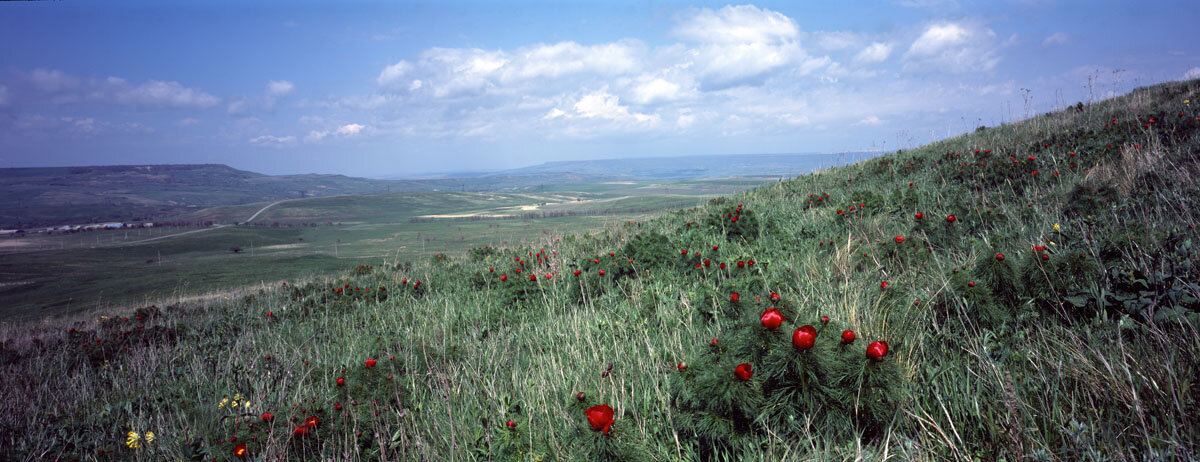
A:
(1056, 226)
(149, 437)
(134, 440)
(1051, 242)
(223, 402)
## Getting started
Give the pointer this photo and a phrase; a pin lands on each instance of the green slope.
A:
(1089, 352)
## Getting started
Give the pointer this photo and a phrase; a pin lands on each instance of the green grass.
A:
(1090, 354)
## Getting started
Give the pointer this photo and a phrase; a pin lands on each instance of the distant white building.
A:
(5, 232)
(114, 225)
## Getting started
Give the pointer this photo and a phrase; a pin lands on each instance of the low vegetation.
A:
(1025, 291)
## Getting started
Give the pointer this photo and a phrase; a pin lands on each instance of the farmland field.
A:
(44, 275)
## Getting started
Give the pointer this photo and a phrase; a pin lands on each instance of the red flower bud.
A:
(744, 371)
(804, 337)
(847, 337)
(771, 318)
(877, 350)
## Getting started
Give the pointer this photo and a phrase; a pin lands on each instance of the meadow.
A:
(1026, 291)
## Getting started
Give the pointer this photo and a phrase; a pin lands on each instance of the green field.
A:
(59, 274)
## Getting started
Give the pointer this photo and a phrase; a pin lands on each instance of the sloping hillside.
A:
(1035, 285)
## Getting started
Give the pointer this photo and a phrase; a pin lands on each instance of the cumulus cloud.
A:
(953, 47)
(349, 129)
(1193, 73)
(874, 53)
(600, 104)
(650, 90)
(740, 45)
(1055, 39)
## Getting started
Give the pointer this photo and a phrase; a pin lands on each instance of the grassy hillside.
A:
(1053, 318)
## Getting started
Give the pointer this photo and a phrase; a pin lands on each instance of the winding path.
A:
(194, 231)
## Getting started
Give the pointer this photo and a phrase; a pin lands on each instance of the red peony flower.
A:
(1045, 257)
(577, 272)
(741, 264)
(825, 319)
(312, 422)
(774, 297)
(682, 366)
(602, 272)
(341, 382)
(580, 396)
(716, 247)
(804, 337)
(847, 337)
(239, 451)
(883, 285)
(370, 363)
(734, 297)
(920, 215)
(268, 417)
(899, 239)
(971, 284)
(504, 277)
(877, 350)
(1000, 256)
(300, 430)
(950, 218)
(511, 424)
(744, 371)
(713, 342)
(771, 318)
(600, 417)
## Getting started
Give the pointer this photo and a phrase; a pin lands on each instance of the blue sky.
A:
(383, 88)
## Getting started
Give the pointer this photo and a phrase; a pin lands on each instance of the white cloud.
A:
(1193, 73)
(456, 72)
(52, 81)
(656, 89)
(349, 129)
(600, 104)
(157, 92)
(874, 53)
(346, 130)
(953, 47)
(279, 88)
(394, 73)
(554, 114)
(870, 120)
(268, 140)
(1056, 39)
(740, 45)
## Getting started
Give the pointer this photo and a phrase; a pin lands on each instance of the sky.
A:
(385, 89)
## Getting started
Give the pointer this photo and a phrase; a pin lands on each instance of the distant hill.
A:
(719, 166)
(70, 195)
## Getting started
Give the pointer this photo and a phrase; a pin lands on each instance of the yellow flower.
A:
(223, 402)
(149, 437)
(1051, 242)
(1056, 226)
(134, 441)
